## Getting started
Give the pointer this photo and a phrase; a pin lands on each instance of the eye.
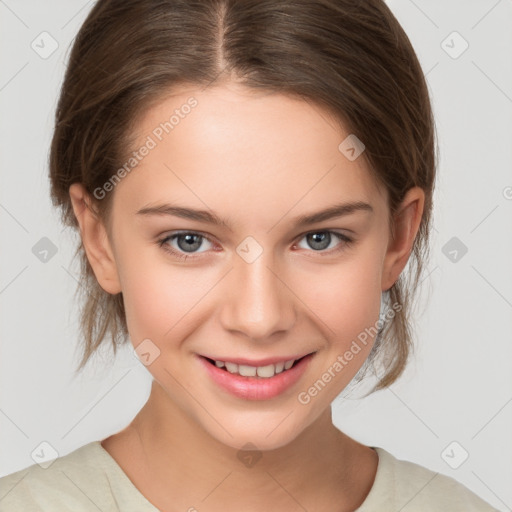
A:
(321, 240)
(187, 243)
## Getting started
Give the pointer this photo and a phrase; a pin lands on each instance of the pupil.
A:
(190, 244)
(320, 238)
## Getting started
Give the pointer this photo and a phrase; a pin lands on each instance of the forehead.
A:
(229, 141)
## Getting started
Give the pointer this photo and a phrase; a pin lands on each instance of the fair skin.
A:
(257, 160)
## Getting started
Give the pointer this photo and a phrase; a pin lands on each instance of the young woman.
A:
(249, 180)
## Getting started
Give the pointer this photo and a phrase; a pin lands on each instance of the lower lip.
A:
(256, 388)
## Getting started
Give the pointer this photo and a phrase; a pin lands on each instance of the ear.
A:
(406, 221)
(95, 240)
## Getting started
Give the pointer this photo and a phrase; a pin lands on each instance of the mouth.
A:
(261, 382)
(262, 371)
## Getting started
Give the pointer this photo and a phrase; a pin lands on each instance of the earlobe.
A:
(407, 222)
(95, 240)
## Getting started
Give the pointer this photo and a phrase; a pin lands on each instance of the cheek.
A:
(344, 296)
(160, 298)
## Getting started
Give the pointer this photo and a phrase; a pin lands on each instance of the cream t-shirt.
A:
(89, 479)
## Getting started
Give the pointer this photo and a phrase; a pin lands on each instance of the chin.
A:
(262, 431)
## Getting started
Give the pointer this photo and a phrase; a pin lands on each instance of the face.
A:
(258, 286)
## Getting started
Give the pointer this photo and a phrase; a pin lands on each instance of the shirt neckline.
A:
(371, 500)
(111, 465)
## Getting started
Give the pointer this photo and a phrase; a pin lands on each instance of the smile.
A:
(255, 382)
(264, 372)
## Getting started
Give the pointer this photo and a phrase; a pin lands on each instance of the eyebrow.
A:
(335, 211)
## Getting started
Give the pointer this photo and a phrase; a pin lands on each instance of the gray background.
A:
(457, 389)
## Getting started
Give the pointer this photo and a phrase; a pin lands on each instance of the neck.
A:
(186, 467)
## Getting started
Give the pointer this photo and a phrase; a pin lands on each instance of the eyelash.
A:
(167, 248)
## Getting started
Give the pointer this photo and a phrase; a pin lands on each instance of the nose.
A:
(256, 300)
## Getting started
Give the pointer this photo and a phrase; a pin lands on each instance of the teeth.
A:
(231, 367)
(266, 371)
(251, 371)
(247, 371)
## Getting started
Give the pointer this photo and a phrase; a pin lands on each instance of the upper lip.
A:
(259, 362)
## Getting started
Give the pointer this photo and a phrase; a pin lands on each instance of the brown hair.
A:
(350, 57)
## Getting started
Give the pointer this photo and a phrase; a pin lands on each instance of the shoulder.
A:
(409, 487)
(83, 480)
(55, 483)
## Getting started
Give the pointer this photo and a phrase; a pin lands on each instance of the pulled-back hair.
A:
(350, 57)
